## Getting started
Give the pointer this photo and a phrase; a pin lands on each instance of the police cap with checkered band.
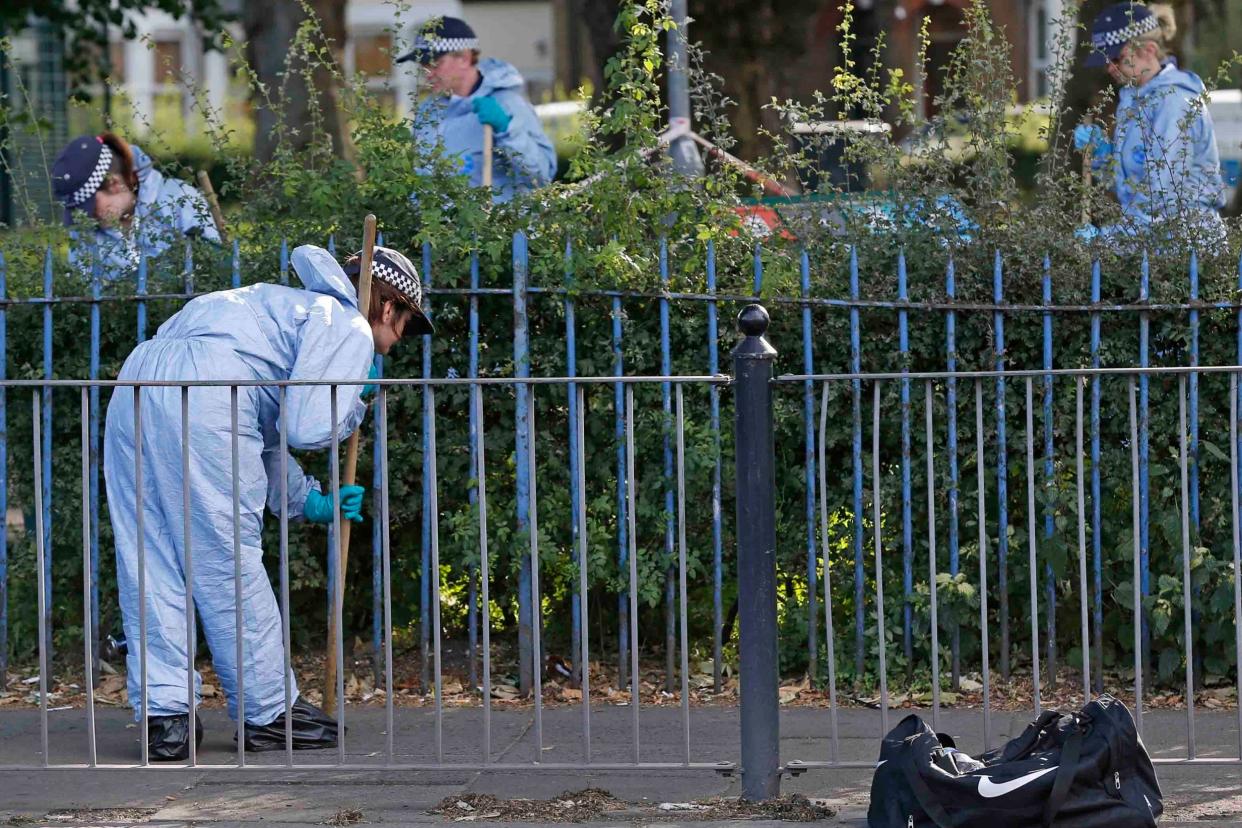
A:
(395, 270)
(78, 172)
(1116, 26)
(441, 37)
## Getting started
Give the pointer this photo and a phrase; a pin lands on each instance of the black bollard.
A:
(756, 556)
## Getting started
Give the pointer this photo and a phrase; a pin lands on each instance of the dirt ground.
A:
(67, 688)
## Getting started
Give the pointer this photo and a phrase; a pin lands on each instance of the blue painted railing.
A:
(1049, 523)
(950, 337)
(1002, 464)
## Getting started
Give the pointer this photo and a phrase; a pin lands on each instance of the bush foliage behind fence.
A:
(879, 333)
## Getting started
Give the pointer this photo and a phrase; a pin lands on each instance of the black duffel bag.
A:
(1082, 770)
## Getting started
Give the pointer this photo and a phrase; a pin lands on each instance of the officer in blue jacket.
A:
(1163, 152)
(259, 332)
(135, 210)
(472, 92)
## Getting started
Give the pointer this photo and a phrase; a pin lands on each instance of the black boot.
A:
(312, 730)
(168, 737)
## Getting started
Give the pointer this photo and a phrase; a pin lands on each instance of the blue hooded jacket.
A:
(1164, 155)
(524, 158)
(168, 210)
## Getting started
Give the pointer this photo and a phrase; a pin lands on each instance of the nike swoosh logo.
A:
(989, 789)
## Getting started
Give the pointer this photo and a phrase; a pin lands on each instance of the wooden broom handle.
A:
(487, 155)
(217, 216)
(351, 474)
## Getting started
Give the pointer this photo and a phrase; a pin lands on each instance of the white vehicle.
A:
(1226, 108)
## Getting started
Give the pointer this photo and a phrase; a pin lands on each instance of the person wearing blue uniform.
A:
(1163, 154)
(259, 332)
(131, 208)
(469, 93)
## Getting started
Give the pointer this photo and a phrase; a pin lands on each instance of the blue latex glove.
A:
(491, 113)
(1086, 233)
(370, 388)
(319, 507)
(1092, 134)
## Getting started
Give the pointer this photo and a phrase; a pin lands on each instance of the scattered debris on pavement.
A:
(97, 816)
(345, 816)
(571, 806)
(791, 808)
(592, 803)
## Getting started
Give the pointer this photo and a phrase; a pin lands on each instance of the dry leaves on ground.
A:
(345, 816)
(1016, 694)
(592, 803)
(571, 806)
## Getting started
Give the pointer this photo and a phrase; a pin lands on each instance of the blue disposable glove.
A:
(319, 507)
(1092, 134)
(1086, 233)
(491, 113)
(370, 388)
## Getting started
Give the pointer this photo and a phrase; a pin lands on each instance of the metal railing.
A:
(814, 473)
(568, 296)
(518, 293)
(943, 385)
(526, 410)
(754, 388)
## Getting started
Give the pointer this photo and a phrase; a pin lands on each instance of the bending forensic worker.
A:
(1163, 152)
(260, 332)
(133, 209)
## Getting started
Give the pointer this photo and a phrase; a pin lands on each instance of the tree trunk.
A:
(290, 112)
(599, 17)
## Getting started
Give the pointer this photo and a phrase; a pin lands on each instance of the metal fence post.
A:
(756, 556)
(521, 452)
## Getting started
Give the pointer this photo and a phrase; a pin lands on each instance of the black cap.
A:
(445, 35)
(78, 172)
(395, 270)
(1116, 26)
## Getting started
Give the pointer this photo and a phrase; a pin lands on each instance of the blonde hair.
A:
(1162, 35)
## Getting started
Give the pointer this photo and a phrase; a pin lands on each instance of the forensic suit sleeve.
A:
(529, 153)
(333, 343)
(298, 482)
(1171, 167)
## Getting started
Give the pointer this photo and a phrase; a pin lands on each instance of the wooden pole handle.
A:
(351, 474)
(213, 203)
(487, 155)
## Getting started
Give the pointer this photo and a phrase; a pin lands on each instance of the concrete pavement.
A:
(265, 792)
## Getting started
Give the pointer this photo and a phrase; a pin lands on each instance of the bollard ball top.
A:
(753, 320)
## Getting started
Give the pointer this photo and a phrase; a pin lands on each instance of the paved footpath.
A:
(264, 793)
